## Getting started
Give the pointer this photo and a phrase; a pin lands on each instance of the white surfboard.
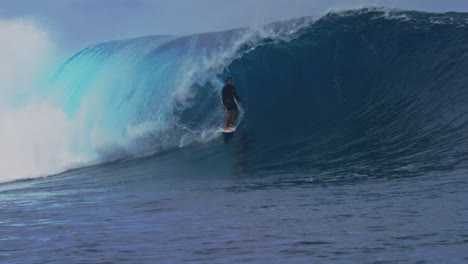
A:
(231, 130)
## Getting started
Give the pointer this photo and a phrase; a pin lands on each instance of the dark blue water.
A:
(352, 148)
(185, 208)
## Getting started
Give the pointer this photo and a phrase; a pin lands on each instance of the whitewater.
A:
(352, 146)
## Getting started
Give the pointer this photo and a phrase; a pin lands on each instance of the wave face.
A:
(152, 93)
(360, 93)
(366, 93)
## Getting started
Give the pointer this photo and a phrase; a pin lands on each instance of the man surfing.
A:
(228, 93)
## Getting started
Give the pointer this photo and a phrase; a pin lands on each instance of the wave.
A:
(138, 96)
(359, 92)
(362, 93)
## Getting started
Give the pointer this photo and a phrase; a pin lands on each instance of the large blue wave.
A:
(363, 91)
(139, 96)
(366, 90)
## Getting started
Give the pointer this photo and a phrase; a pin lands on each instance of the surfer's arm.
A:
(224, 101)
(237, 96)
(223, 97)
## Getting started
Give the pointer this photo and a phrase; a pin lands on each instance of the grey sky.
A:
(75, 24)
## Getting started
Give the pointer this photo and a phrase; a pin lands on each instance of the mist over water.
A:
(35, 135)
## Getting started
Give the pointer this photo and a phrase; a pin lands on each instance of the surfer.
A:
(229, 92)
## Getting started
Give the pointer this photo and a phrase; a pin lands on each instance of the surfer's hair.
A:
(228, 78)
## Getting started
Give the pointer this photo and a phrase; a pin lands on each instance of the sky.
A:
(76, 24)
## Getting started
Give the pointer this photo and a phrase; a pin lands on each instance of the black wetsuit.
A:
(229, 92)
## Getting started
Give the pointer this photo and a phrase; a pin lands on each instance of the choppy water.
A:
(164, 211)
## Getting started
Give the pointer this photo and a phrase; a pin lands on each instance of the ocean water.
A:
(352, 147)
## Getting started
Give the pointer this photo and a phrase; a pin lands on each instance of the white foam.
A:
(35, 137)
(36, 140)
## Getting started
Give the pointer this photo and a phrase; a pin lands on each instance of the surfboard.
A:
(231, 130)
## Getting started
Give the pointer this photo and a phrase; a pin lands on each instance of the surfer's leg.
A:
(226, 120)
(234, 117)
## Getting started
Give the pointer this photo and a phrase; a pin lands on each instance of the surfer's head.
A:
(229, 80)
